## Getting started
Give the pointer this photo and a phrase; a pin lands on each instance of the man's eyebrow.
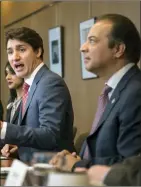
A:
(17, 46)
(9, 48)
(92, 37)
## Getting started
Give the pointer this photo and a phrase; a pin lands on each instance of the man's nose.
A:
(84, 47)
(16, 56)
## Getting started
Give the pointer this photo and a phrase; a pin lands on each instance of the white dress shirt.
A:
(29, 80)
(115, 79)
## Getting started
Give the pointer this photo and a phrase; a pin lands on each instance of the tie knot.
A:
(25, 87)
(106, 90)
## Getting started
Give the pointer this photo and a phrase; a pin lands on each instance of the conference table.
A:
(41, 174)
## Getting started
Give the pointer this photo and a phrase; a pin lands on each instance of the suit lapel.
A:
(116, 95)
(8, 115)
(30, 95)
(20, 116)
(16, 114)
(33, 88)
(108, 109)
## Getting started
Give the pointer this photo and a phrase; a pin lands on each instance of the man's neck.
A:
(39, 62)
(106, 73)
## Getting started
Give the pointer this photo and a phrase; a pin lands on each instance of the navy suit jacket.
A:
(118, 134)
(47, 124)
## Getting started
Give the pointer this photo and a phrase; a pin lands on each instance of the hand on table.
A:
(8, 150)
(96, 174)
(69, 159)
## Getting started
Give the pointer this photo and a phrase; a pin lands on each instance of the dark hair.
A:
(124, 31)
(13, 93)
(27, 35)
(9, 68)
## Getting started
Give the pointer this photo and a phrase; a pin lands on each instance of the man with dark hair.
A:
(122, 30)
(112, 51)
(46, 116)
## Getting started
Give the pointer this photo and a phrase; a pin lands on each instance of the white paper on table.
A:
(17, 174)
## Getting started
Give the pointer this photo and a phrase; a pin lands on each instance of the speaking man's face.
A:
(22, 58)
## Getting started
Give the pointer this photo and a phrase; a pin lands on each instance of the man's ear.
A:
(39, 51)
(119, 50)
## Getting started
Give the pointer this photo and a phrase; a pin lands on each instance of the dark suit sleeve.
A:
(129, 135)
(1, 118)
(53, 103)
(1, 111)
(126, 174)
(81, 164)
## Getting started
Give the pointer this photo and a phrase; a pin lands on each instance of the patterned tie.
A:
(25, 95)
(102, 101)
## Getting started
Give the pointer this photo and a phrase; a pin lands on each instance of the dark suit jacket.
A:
(1, 111)
(1, 118)
(15, 117)
(126, 174)
(14, 120)
(118, 134)
(47, 124)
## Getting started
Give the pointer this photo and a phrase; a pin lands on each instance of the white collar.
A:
(29, 80)
(115, 79)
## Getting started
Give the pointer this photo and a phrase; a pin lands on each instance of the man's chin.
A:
(91, 70)
(20, 74)
(88, 68)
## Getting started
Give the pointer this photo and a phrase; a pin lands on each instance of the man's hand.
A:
(96, 174)
(68, 159)
(57, 157)
(8, 150)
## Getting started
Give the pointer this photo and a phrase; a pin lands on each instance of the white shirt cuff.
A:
(3, 130)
